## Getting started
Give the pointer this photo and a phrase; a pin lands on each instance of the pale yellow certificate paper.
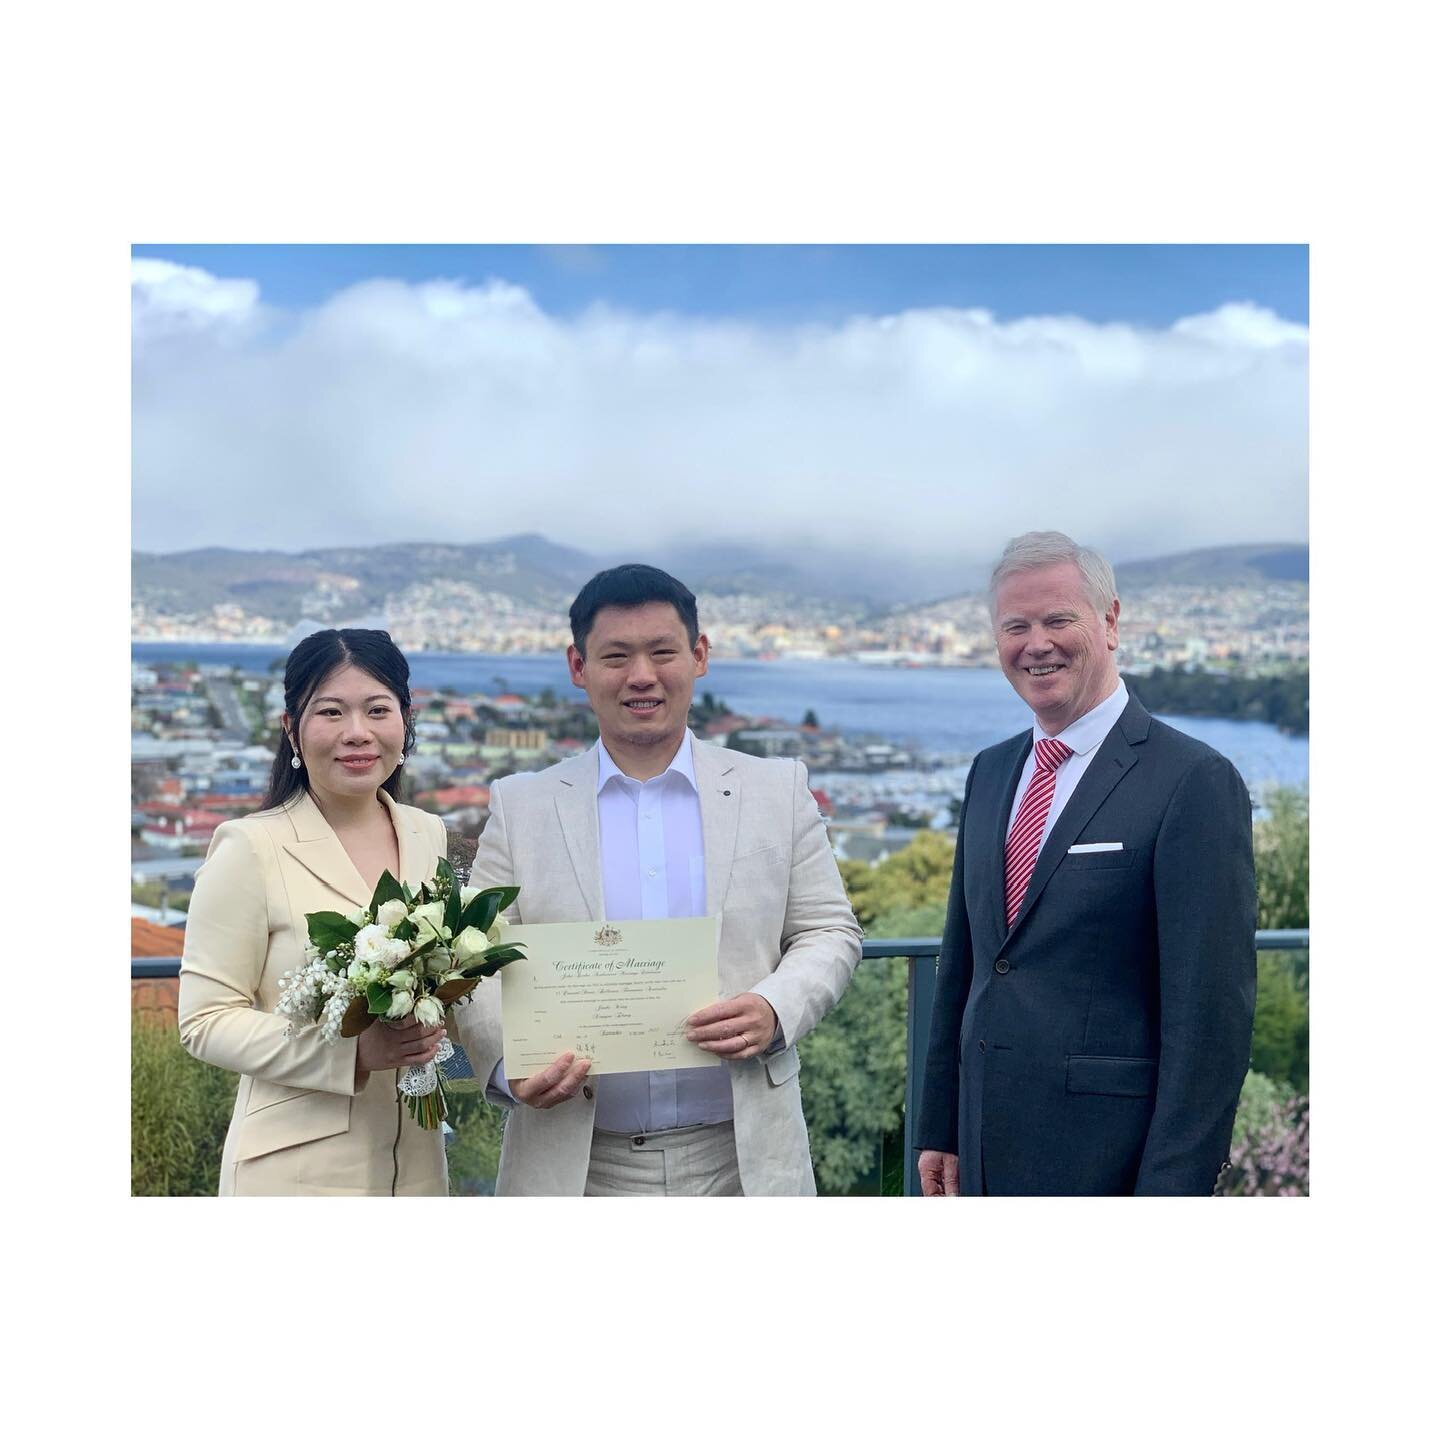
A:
(617, 993)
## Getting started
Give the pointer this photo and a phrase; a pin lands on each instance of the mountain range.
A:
(534, 571)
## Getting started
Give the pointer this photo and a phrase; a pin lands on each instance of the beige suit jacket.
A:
(787, 932)
(299, 1126)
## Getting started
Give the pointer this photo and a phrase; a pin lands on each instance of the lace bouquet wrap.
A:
(407, 953)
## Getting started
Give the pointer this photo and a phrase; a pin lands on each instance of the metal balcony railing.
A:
(922, 955)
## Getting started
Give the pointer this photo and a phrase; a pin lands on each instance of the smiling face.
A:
(351, 734)
(1055, 650)
(639, 672)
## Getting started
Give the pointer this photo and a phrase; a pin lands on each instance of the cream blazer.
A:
(299, 1127)
(787, 932)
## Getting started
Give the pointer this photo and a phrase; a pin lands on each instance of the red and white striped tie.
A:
(1022, 845)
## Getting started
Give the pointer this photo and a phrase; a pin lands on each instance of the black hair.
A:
(317, 656)
(628, 586)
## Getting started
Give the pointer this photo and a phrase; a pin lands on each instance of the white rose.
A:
(391, 913)
(358, 917)
(430, 919)
(452, 975)
(436, 961)
(429, 1011)
(497, 931)
(467, 894)
(401, 1003)
(470, 943)
(402, 980)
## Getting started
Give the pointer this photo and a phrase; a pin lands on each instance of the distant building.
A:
(532, 739)
(767, 742)
(190, 827)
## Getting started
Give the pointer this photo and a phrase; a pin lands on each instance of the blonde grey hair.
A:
(1038, 548)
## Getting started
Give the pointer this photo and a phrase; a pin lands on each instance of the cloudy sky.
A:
(931, 400)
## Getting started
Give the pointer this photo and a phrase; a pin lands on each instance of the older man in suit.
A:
(654, 824)
(1096, 990)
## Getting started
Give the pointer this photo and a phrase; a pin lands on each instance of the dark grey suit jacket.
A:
(1098, 1046)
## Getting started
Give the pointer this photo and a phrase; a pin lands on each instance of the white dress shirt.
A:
(1083, 736)
(652, 867)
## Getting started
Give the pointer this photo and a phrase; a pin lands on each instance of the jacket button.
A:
(587, 1092)
(639, 1139)
(1002, 967)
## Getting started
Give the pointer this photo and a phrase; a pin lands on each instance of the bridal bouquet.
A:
(405, 954)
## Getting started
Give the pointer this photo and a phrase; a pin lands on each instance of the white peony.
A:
(373, 946)
(391, 913)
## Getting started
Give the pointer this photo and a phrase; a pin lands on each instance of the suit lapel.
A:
(719, 790)
(417, 864)
(318, 849)
(1112, 760)
(580, 825)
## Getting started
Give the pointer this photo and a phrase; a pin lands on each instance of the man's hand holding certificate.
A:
(620, 996)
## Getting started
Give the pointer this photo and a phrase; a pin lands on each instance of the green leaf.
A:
(452, 912)
(406, 930)
(386, 888)
(445, 873)
(377, 996)
(329, 929)
(491, 967)
(409, 894)
(493, 959)
(485, 906)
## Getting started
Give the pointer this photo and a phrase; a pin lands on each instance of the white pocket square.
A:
(1094, 846)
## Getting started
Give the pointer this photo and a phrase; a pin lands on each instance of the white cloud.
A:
(168, 299)
(397, 411)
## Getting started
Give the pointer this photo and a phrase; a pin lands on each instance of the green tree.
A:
(917, 875)
(157, 895)
(810, 720)
(1280, 1041)
(853, 1081)
(1282, 862)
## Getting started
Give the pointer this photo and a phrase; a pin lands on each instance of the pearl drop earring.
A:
(294, 762)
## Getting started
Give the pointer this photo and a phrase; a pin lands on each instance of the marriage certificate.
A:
(617, 993)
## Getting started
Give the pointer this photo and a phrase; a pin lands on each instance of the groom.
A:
(653, 824)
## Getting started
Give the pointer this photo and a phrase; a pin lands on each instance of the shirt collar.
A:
(682, 765)
(1084, 734)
